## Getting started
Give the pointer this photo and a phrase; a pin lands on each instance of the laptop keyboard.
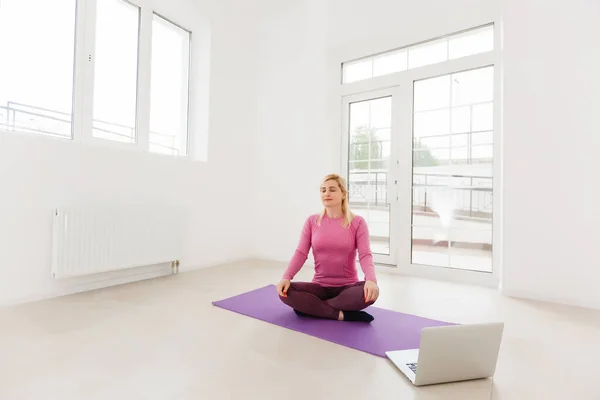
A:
(412, 367)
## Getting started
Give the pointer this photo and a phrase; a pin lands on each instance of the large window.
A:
(107, 72)
(470, 42)
(37, 55)
(170, 87)
(115, 70)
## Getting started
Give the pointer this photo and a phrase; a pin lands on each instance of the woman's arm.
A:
(363, 245)
(301, 253)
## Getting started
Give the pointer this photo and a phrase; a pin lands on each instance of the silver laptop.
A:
(451, 354)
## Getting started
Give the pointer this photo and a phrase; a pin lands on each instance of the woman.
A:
(335, 235)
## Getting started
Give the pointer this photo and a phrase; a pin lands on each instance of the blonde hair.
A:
(348, 215)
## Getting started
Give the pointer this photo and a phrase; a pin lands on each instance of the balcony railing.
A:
(472, 198)
(32, 119)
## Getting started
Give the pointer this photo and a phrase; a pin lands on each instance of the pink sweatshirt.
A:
(334, 249)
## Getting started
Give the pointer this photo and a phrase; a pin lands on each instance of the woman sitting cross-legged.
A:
(335, 236)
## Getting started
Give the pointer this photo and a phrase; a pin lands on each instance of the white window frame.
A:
(407, 50)
(86, 87)
(393, 92)
(83, 82)
(188, 145)
(402, 83)
(142, 138)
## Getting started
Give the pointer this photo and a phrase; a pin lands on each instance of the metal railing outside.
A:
(32, 119)
(470, 196)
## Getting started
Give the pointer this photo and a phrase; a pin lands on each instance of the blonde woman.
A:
(335, 236)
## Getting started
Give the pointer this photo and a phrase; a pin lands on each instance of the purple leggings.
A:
(325, 302)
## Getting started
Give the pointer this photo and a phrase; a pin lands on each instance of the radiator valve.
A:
(175, 266)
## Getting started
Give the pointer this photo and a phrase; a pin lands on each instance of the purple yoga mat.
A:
(390, 330)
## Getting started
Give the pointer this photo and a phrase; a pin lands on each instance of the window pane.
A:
(433, 209)
(360, 115)
(484, 152)
(460, 155)
(461, 119)
(483, 117)
(431, 179)
(369, 152)
(461, 182)
(471, 249)
(473, 42)
(472, 87)
(386, 149)
(441, 155)
(452, 187)
(382, 138)
(390, 63)
(169, 88)
(358, 70)
(431, 157)
(438, 201)
(481, 204)
(37, 41)
(432, 94)
(432, 142)
(115, 70)
(460, 140)
(381, 112)
(359, 192)
(482, 138)
(427, 249)
(383, 134)
(432, 123)
(370, 132)
(428, 53)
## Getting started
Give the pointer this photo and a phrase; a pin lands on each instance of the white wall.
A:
(299, 140)
(365, 27)
(551, 145)
(38, 174)
(294, 148)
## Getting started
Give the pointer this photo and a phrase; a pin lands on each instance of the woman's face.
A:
(331, 194)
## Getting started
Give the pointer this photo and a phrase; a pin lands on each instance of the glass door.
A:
(452, 170)
(369, 132)
(419, 162)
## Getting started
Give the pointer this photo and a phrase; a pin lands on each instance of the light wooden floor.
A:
(162, 339)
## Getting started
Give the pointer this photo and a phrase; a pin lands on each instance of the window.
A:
(470, 42)
(115, 70)
(389, 63)
(453, 170)
(95, 71)
(429, 53)
(169, 87)
(37, 67)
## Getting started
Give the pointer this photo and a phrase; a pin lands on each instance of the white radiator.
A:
(94, 240)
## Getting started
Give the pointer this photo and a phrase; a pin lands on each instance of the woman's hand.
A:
(282, 287)
(371, 291)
